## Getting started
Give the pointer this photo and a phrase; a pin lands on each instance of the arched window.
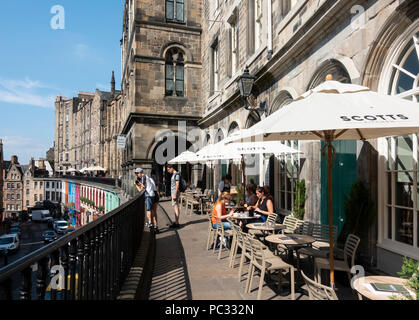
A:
(405, 74)
(175, 73)
(401, 172)
(252, 119)
(233, 128)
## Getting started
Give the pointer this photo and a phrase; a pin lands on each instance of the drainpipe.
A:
(270, 51)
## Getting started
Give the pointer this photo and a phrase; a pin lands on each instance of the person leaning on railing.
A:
(219, 211)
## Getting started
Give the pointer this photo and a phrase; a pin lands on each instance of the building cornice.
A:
(170, 26)
(151, 118)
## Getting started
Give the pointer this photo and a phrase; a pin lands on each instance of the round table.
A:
(292, 242)
(363, 287)
(265, 228)
(262, 226)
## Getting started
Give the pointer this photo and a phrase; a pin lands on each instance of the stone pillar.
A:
(196, 173)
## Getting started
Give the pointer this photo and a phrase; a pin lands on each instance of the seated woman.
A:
(220, 211)
(264, 206)
(251, 198)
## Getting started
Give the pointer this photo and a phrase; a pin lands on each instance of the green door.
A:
(223, 169)
(344, 175)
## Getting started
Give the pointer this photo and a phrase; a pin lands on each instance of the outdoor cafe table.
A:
(265, 228)
(292, 242)
(364, 288)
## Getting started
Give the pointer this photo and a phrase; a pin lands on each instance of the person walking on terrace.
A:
(175, 192)
(144, 182)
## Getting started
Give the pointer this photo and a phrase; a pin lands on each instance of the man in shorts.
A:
(144, 182)
(174, 187)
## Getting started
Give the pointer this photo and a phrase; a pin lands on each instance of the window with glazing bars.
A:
(175, 73)
(175, 10)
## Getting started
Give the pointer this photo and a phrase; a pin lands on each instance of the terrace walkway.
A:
(185, 270)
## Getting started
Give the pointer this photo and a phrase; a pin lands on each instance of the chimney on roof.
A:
(113, 84)
(32, 166)
(14, 160)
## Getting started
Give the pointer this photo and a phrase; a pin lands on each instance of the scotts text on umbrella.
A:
(387, 117)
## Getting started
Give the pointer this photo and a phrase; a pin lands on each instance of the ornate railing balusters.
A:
(92, 266)
(80, 268)
(90, 263)
(26, 286)
(100, 263)
(87, 274)
(71, 291)
(41, 278)
(64, 257)
(55, 261)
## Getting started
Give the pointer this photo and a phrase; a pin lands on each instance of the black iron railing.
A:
(101, 180)
(90, 263)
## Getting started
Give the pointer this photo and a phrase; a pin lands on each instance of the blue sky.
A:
(38, 62)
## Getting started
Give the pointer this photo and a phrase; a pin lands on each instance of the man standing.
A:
(224, 186)
(174, 188)
(144, 182)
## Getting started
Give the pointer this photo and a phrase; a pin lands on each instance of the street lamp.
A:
(246, 81)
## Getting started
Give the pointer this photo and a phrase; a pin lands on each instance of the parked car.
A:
(15, 224)
(49, 236)
(15, 230)
(9, 242)
(60, 226)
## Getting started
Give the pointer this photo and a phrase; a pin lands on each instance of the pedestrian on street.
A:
(174, 190)
(144, 182)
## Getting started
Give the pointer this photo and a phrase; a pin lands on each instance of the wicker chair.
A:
(291, 224)
(349, 253)
(191, 202)
(320, 248)
(266, 261)
(246, 250)
(212, 232)
(236, 243)
(258, 233)
(221, 233)
(318, 291)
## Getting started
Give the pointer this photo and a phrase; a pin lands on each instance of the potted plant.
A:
(410, 271)
(300, 200)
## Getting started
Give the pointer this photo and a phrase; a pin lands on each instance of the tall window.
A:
(175, 73)
(215, 68)
(175, 10)
(285, 7)
(258, 24)
(233, 45)
(402, 195)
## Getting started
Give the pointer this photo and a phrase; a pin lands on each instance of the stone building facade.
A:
(34, 182)
(180, 64)
(290, 46)
(13, 189)
(161, 81)
(85, 132)
(1, 180)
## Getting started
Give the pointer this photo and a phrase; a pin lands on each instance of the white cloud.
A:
(81, 50)
(24, 148)
(84, 52)
(26, 92)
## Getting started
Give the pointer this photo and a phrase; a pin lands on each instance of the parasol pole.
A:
(329, 139)
(244, 173)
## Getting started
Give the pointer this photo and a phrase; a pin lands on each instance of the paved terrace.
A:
(185, 270)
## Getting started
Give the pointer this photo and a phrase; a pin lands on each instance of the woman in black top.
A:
(265, 205)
